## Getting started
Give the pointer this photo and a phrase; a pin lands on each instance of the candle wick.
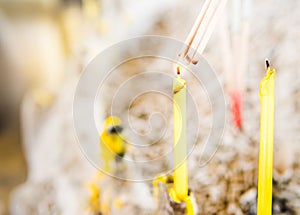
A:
(178, 70)
(267, 63)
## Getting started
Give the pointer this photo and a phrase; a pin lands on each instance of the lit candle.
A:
(180, 151)
(266, 143)
(195, 43)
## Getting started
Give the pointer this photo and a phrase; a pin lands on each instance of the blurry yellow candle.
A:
(180, 151)
(266, 93)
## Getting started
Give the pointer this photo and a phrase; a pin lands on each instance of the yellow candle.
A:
(180, 151)
(266, 93)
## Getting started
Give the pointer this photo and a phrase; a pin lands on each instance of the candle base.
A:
(176, 205)
(188, 206)
(178, 208)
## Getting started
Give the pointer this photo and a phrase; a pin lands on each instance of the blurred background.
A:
(44, 43)
(35, 37)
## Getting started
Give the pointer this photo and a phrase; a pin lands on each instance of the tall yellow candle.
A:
(264, 203)
(180, 151)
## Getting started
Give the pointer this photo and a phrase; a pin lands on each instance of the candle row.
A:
(266, 93)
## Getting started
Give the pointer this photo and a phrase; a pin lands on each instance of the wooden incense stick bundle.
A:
(202, 29)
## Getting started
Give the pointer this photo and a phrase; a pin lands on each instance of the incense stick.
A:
(211, 25)
(202, 28)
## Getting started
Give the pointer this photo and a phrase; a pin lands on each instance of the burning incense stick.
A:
(202, 29)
